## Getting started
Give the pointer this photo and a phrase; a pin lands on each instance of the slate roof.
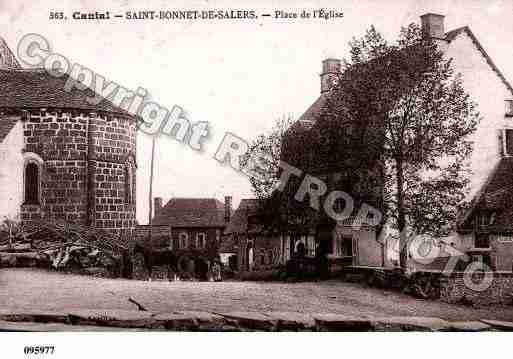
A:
(239, 220)
(313, 113)
(36, 88)
(191, 212)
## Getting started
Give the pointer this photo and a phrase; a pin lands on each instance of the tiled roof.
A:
(38, 89)
(239, 220)
(498, 190)
(495, 195)
(191, 212)
(314, 111)
(6, 125)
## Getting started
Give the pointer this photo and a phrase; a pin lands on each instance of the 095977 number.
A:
(39, 349)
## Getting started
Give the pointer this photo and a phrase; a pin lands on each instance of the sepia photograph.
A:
(169, 167)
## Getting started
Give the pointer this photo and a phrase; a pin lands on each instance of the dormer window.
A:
(509, 108)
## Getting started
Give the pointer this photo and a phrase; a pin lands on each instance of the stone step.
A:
(121, 320)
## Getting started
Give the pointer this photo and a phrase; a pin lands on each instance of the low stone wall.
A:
(488, 288)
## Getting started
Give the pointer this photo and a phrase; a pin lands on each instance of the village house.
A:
(485, 229)
(62, 158)
(254, 248)
(191, 227)
(340, 241)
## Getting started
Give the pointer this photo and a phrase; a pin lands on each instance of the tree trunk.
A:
(401, 216)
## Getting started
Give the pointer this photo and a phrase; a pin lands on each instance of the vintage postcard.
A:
(241, 166)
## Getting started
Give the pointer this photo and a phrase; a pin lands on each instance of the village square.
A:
(385, 206)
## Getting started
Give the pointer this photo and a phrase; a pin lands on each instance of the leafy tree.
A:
(267, 147)
(407, 106)
(279, 212)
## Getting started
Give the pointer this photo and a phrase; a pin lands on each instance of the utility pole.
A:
(150, 197)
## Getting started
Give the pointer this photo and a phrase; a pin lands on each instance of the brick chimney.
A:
(157, 204)
(433, 25)
(330, 72)
(227, 208)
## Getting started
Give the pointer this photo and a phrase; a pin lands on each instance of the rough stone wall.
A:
(84, 176)
(112, 145)
(109, 209)
(453, 289)
(60, 139)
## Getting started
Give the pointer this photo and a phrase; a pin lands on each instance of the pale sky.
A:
(237, 75)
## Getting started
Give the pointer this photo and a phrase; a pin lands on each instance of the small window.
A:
(183, 239)
(509, 108)
(201, 240)
(508, 142)
(129, 184)
(32, 183)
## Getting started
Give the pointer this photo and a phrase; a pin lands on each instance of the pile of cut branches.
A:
(63, 246)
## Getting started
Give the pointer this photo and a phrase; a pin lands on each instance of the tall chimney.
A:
(433, 25)
(227, 208)
(330, 72)
(157, 204)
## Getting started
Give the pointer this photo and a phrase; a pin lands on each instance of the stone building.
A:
(255, 249)
(191, 227)
(62, 158)
(304, 147)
